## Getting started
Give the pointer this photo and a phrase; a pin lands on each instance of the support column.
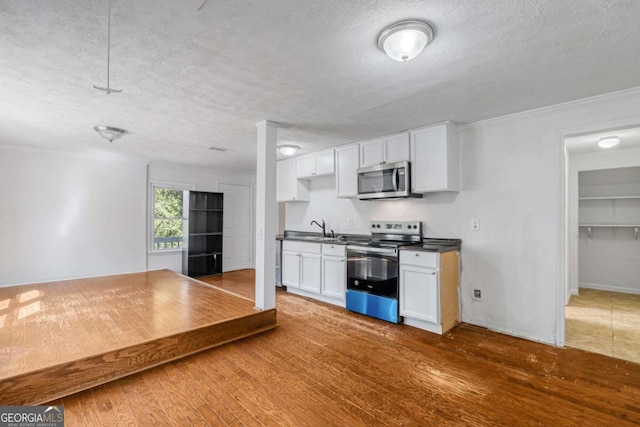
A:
(266, 211)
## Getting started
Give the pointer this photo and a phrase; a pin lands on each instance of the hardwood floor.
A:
(61, 337)
(326, 366)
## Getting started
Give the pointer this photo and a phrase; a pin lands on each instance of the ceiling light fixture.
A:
(109, 132)
(608, 142)
(288, 150)
(404, 40)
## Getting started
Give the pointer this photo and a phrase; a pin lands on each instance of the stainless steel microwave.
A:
(386, 181)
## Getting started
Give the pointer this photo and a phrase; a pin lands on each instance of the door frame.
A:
(564, 237)
(252, 260)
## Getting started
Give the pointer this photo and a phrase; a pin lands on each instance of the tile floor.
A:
(604, 322)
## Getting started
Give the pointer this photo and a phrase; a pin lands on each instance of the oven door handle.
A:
(365, 250)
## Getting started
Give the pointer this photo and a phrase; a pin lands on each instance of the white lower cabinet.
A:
(419, 293)
(315, 270)
(291, 268)
(334, 275)
(301, 265)
(429, 285)
(310, 272)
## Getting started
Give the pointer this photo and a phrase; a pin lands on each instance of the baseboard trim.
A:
(609, 288)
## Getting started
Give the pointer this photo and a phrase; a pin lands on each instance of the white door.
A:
(237, 247)
(334, 276)
(419, 296)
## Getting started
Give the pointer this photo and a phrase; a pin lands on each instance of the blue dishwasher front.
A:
(373, 305)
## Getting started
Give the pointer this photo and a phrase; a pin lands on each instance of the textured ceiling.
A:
(196, 79)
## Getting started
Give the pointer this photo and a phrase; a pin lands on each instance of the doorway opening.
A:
(602, 312)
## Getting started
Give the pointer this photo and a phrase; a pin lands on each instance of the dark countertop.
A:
(436, 245)
(430, 248)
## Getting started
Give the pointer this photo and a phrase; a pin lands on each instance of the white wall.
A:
(68, 216)
(513, 182)
(204, 179)
(610, 259)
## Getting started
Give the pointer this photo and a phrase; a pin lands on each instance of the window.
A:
(166, 208)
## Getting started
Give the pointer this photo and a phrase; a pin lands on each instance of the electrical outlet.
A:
(350, 222)
(475, 224)
(477, 294)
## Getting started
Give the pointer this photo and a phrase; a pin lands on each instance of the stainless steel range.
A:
(372, 268)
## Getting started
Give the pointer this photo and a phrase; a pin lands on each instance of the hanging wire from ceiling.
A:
(108, 89)
(202, 5)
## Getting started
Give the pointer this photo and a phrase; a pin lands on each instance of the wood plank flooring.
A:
(61, 337)
(604, 322)
(326, 366)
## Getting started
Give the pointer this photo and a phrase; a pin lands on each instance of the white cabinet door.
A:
(371, 153)
(305, 166)
(325, 164)
(310, 272)
(419, 294)
(347, 171)
(288, 187)
(334, 276)
(291, 269)
(396, 148)
(434, 159)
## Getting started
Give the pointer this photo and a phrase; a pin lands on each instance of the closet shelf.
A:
(609, 198)
(634, 226)
(610, 225)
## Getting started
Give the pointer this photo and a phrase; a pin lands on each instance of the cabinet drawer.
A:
(337, 250)
(313, 248)
(420, 259)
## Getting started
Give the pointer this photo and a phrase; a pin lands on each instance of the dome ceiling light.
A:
(608, 142)
(405, 40)
(288, 150)
(109, 132)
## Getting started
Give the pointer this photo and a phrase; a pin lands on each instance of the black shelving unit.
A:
(202, 254)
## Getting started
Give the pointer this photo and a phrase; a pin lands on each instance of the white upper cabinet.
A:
(396, 147)
(387, 149)
(435, 159)
(325, 162)
(315, 164)
(371, 152)
(347, 171)
(305, 166)
(288, 187)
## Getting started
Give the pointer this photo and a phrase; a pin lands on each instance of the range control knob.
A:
(355, 282)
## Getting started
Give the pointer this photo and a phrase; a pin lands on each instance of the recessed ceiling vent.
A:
(212, 148)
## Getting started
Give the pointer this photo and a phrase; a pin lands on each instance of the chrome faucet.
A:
(323, 226)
